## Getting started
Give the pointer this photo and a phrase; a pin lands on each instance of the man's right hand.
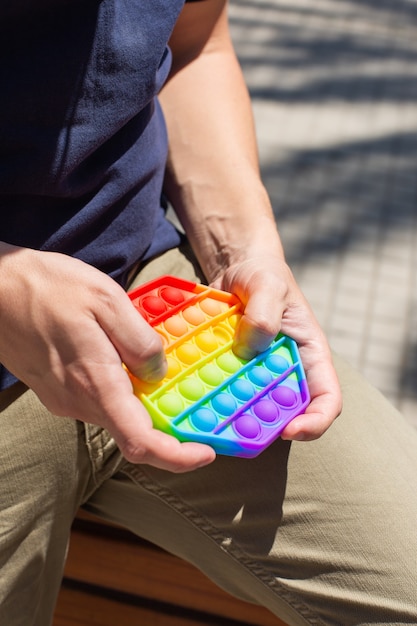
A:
(65, 330)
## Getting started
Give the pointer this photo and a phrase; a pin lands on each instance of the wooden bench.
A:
(113, 578)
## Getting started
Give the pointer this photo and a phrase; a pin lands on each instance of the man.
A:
(301, 529)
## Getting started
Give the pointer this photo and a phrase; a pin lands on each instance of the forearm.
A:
(213, 177)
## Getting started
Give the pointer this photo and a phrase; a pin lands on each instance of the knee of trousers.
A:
(43, 460)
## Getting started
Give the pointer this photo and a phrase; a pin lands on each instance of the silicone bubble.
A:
(211, 307)
(260, 376)
(224, 404)
(211, 374)
(228, 362)
(154, 305)
(276, 363)
(233, 320)
(176, 326)
(188, 353)
(222, 335)
(174, 367)
(193, 315)
(285, 396)
(191, 388)
(172, 295)
(171, 404)
(242, 389)
(248, 427)
(206, 341)
(204, 420)
(267, 411)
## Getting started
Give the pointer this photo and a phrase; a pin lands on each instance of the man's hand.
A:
(273, 302)
(66, 329)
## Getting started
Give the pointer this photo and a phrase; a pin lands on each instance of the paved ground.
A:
(334, 88)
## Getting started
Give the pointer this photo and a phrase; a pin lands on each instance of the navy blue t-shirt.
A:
(82, 139)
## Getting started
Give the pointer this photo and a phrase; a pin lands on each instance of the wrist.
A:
(239, 241)
(12, 260)
(227, 223)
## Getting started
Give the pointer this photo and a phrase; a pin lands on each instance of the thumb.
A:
(259, 324)
(140, 347)
(131, 427)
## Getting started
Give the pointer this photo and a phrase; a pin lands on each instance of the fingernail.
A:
(156, 370)
(242, 351)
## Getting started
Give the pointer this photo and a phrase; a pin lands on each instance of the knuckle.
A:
(107, 296)
(153, 347)
(264, 325)
(133, 451)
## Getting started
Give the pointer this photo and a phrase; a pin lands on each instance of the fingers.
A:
(139, 346)
(274, 303)
(323, 385)
(261, 320)
(139, 442)
(69, 334)
(125, 334)
(318, 417)
(325, 393)
(255, 331)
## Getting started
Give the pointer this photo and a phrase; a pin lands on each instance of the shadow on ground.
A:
(360, 191)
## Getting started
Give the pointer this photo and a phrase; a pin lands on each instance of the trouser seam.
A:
(105, 457)
(199, 521)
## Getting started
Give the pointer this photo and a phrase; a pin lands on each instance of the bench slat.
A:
(107, 558)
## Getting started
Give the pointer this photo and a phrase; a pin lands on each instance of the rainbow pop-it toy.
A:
(210, 395)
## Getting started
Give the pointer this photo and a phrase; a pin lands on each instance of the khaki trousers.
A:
(323, 532)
